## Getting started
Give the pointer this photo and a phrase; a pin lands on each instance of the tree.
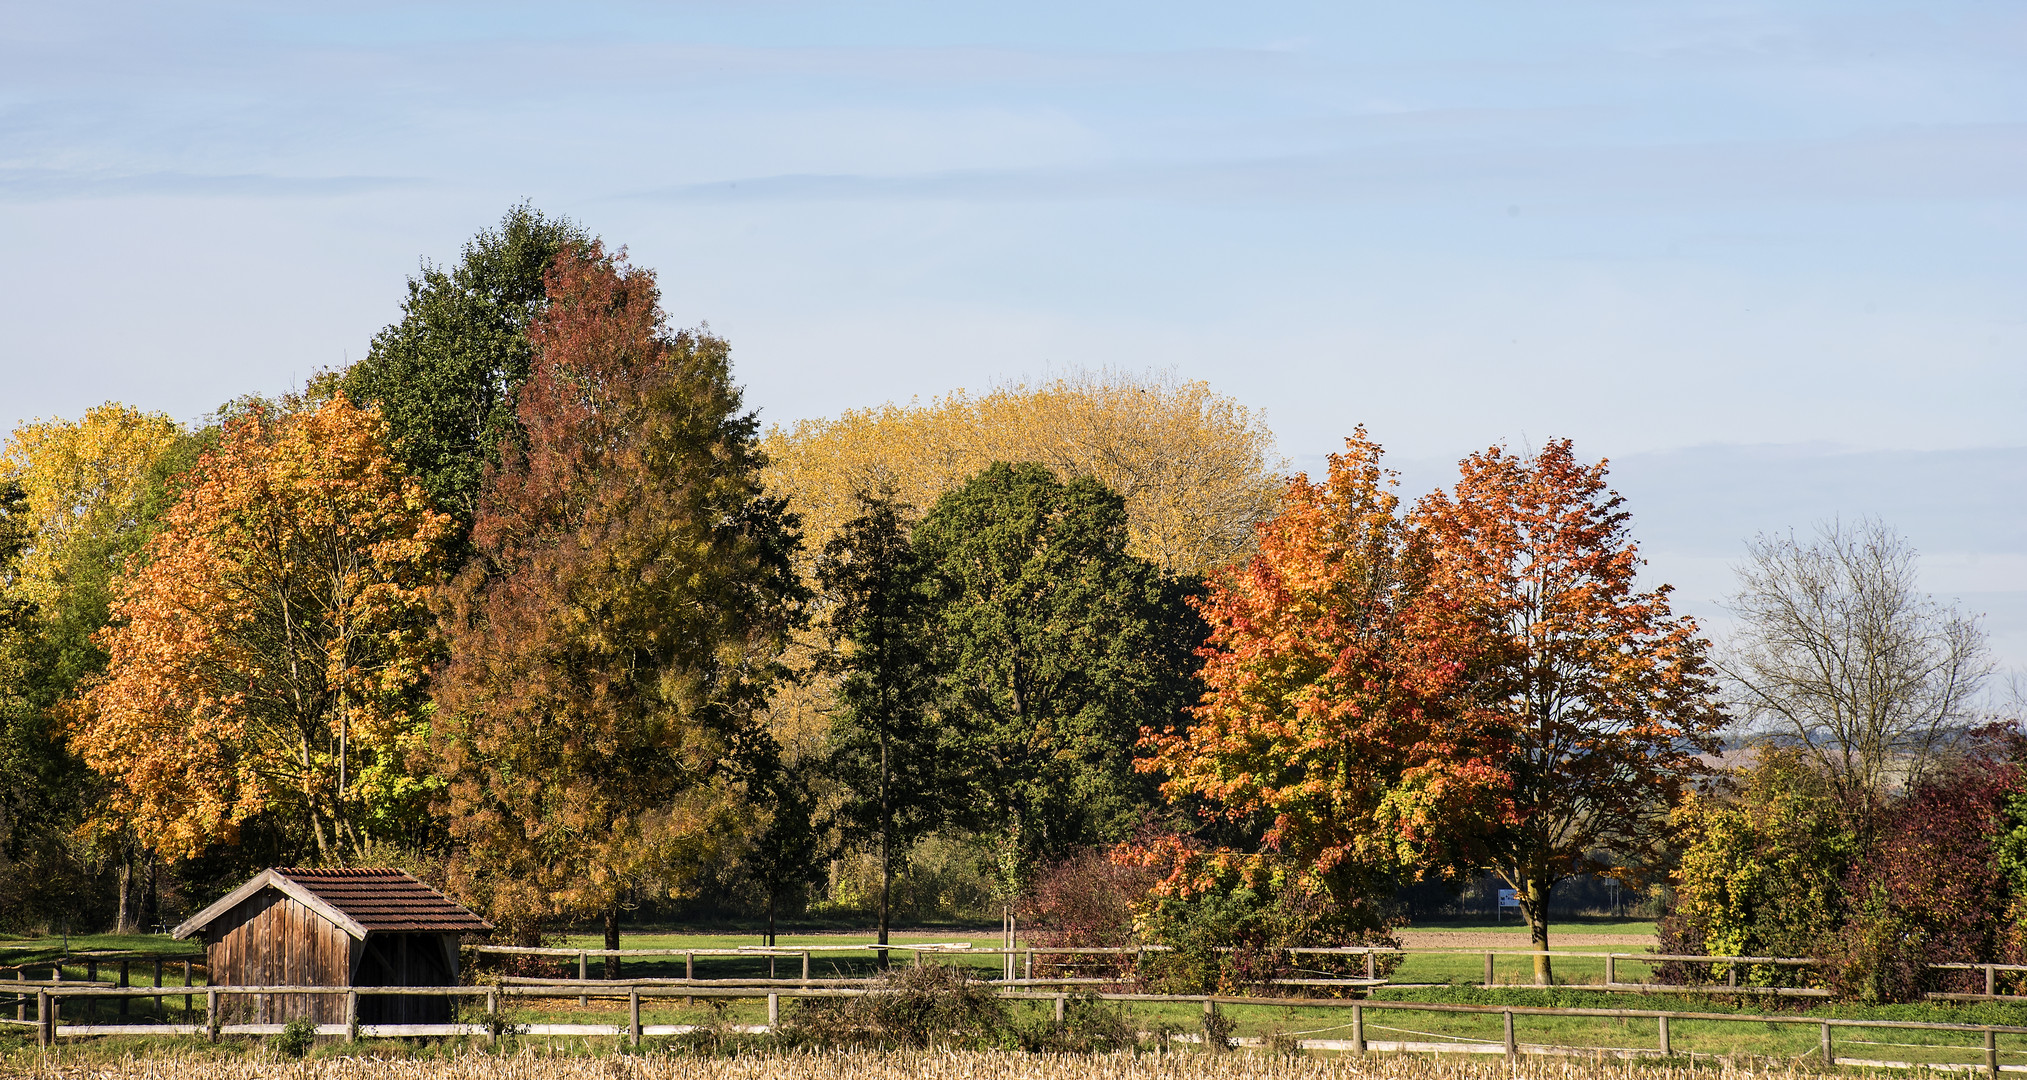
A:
(887, 743)
(92, 490)
(1196, 469)
(267, 660)
(1839, 652)
(447, 375)
(786, 853)
(621, 620)
(1335, 701)
(1604, 695)
(1056, 645)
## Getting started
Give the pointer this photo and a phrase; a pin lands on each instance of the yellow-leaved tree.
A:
(86, 481)
(268, 657)
(1197, 468)
(87, 492)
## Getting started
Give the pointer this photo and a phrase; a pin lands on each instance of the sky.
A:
(1766, 258)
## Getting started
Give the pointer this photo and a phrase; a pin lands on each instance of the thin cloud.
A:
(41, 185)
(1960, 162)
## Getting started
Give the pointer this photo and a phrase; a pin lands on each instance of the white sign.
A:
(1509, 898)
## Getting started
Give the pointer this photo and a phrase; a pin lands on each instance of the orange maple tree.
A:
(267, 657)
(1604, 695)
(1335, 704)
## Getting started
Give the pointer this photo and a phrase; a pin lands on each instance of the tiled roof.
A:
(386, 900)
(359, 901)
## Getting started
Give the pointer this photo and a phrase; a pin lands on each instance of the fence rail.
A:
(1612, 983)
(49, 1027)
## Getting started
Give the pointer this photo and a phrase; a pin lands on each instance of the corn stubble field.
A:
(535, 1064)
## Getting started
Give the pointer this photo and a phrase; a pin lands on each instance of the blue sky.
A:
(1767, 258)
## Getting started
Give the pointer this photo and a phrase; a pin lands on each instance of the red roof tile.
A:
(386, 900)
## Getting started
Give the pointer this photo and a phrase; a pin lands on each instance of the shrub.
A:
(296, 1038)
(1232, 936)
(913, 1007)
(1084, 902)
(1932, 888)
(1763, 860)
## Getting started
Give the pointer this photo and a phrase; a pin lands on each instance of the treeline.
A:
(526, 600)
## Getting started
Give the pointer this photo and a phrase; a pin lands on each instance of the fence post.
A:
(1028, 973)
(45, 1018)
(125, 982)
(633, 1014)
(492, 1016)
(21, 999)
(1991, 980)
(1829, 1048)
(1371, 965)
(805, 965)
(211, 1013)
(1611, 970)
(583, 973)
(1061, 999)
(351, 1016)
(1488, 969)
(1992, 1054)
(773, 1012)
(186, 991)
(1512, 1048)
(158, 985)
(1358, 1029)
(1667, 1045)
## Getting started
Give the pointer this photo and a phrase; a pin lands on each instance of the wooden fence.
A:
(1022, 960)
(492, 1023)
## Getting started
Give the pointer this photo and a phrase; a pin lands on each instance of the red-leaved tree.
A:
(1603, 695)
(1336, 705)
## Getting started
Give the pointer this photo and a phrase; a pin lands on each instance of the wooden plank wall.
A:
(271, 940)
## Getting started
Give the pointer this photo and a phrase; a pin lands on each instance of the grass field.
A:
(568, 1064)
(1451, 978)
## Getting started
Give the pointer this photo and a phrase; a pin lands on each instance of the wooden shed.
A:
(345, 927)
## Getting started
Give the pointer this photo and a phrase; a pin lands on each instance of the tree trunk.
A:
(770, 920)
(886, 850)
(612, 939)
(126, 880)
(1534, 904)
(151, 897)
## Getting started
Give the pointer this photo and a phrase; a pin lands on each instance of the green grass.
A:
(1456, 978)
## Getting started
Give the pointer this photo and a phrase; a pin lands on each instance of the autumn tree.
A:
(888, 744)
(447, 375)
(91, 492)
(1057, 645)
(1604, 695)
(1195, 468)
(1336, 705)
(267, 659)
(621, 619)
